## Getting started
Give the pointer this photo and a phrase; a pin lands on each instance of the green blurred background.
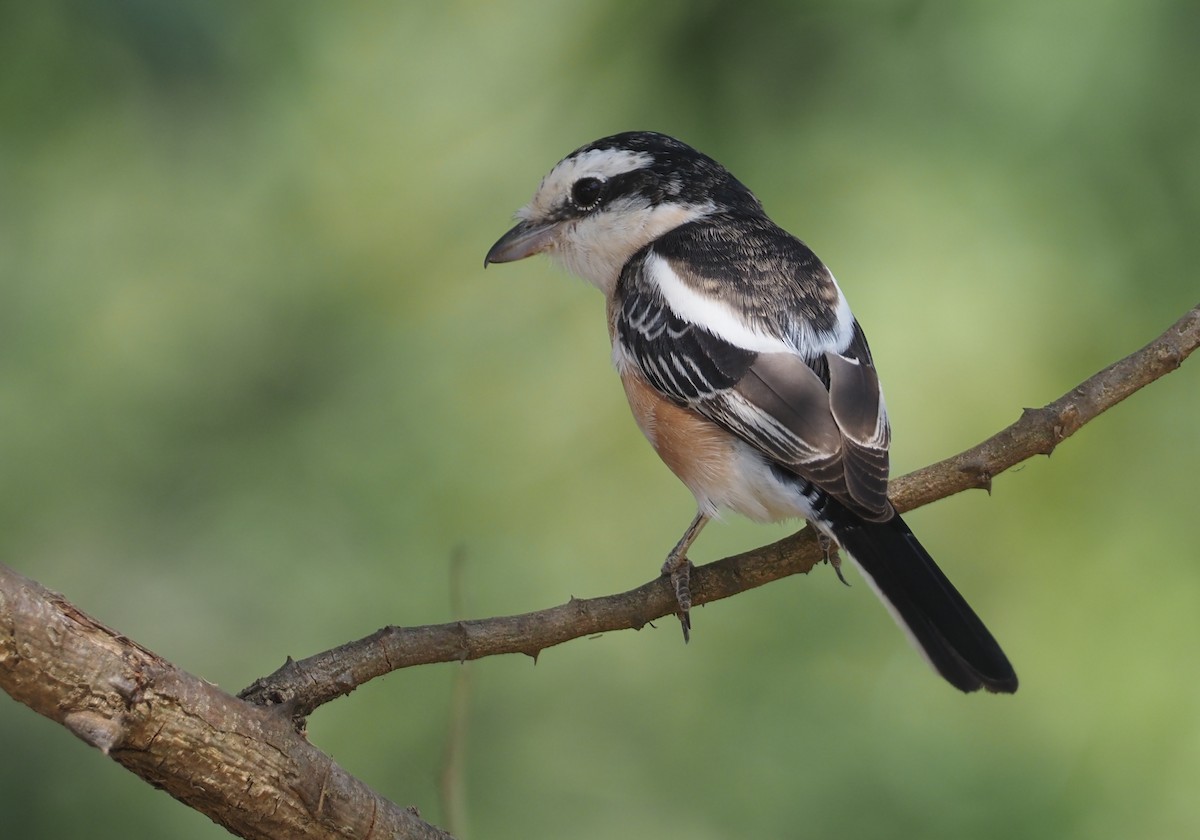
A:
(256, 391)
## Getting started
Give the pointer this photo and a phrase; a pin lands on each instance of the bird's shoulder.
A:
(745, 268)
(747, 280)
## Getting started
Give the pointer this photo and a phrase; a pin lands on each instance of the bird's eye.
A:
(586, 193)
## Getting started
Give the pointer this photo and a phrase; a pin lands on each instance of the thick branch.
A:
(242, 766)
(303, 686)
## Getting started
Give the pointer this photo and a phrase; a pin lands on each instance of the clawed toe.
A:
(680, 572)
(832, 557)
(679, 569)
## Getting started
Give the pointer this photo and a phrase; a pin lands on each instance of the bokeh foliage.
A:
(255, 391)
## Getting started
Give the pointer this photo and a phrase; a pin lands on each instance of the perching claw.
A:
(832, 557)
(679, 568)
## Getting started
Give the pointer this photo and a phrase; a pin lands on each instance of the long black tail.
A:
(925, 604)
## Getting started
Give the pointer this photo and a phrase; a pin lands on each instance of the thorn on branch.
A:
(1055, 423)
(980, 474)
(95, 729)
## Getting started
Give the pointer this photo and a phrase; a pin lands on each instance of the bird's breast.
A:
(721, 470)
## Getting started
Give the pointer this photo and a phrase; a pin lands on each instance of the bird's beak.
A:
(524, 240)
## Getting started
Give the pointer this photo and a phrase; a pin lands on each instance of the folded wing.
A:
(816, 409)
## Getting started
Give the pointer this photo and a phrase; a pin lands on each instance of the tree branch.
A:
(248, 769)
(241, 765)
(302, 686)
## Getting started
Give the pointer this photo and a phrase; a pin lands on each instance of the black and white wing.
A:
(755, 335)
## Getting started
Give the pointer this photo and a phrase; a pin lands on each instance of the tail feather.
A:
(926, 605)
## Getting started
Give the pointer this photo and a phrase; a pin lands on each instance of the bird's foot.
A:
(679, 569)
(832, 557)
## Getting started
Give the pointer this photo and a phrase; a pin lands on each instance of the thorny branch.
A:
(302, 686)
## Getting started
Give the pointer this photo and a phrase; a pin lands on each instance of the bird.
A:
(746, 370)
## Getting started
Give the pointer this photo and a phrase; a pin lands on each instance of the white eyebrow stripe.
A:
(608, 163)
(597, 163)
(709, 313)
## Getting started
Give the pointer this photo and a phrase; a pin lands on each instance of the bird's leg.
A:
(831, 554)
(679, 568)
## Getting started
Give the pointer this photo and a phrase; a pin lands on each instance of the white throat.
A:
(597, 247)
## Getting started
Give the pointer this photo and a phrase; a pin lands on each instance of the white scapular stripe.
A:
(709, 313)
(716, 317)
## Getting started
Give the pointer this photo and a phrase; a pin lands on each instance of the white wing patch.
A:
(708, 312)
(715, 316)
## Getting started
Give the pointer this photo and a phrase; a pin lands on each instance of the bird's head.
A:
(609, 199)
